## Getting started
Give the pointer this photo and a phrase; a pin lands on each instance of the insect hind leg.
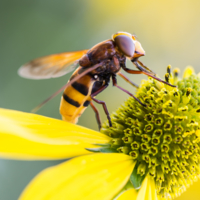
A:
(97, 114)
(105, 109)
(103, 87)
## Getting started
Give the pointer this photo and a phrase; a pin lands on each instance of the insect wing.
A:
(66, 85)
(51, 66)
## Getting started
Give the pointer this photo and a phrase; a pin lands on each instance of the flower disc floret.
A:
(162, 137)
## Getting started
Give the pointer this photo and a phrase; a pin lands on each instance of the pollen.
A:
(163, 137)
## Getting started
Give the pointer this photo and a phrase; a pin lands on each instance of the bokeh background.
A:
(168, 30)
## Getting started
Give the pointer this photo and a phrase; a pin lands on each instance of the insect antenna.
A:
(66, 85)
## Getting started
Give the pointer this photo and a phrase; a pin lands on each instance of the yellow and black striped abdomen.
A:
(76, 98)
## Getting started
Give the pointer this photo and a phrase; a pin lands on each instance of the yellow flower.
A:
(92, 176)
(150, 152)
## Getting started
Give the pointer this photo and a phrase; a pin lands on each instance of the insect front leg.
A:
(146, 68)
(115, 84)
(143, 71)
(102, 102)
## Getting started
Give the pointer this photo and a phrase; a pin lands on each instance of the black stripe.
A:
(81, 88)
(86, 103)
(71, 101)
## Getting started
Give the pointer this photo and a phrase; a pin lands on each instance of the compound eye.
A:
(125, 44)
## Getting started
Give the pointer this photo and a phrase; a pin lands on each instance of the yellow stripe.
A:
(69, 112)
(121, 33)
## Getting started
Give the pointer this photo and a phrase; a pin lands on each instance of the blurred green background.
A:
(168, 30)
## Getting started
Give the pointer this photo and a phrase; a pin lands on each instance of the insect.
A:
(96, 67)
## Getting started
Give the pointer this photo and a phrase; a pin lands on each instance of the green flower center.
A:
(162, 137)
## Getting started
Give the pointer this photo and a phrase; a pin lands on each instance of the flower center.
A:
(162, 137)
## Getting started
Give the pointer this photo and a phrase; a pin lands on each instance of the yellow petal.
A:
(188, 72)
(147, 190)
(129, 194)
(197, 133)
(31, 136)
(97, 176)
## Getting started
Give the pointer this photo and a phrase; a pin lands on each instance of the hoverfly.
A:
(96, 67)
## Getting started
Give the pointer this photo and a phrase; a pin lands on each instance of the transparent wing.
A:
(51, 66)
(87, 70)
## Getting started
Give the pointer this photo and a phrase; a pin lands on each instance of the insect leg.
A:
(105, 109)
(127, 79)
(97, 114)
(102, 102)
(115, 84)
(130, 71)
(145, 67)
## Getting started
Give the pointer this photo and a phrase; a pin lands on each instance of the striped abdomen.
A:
(76, 98)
